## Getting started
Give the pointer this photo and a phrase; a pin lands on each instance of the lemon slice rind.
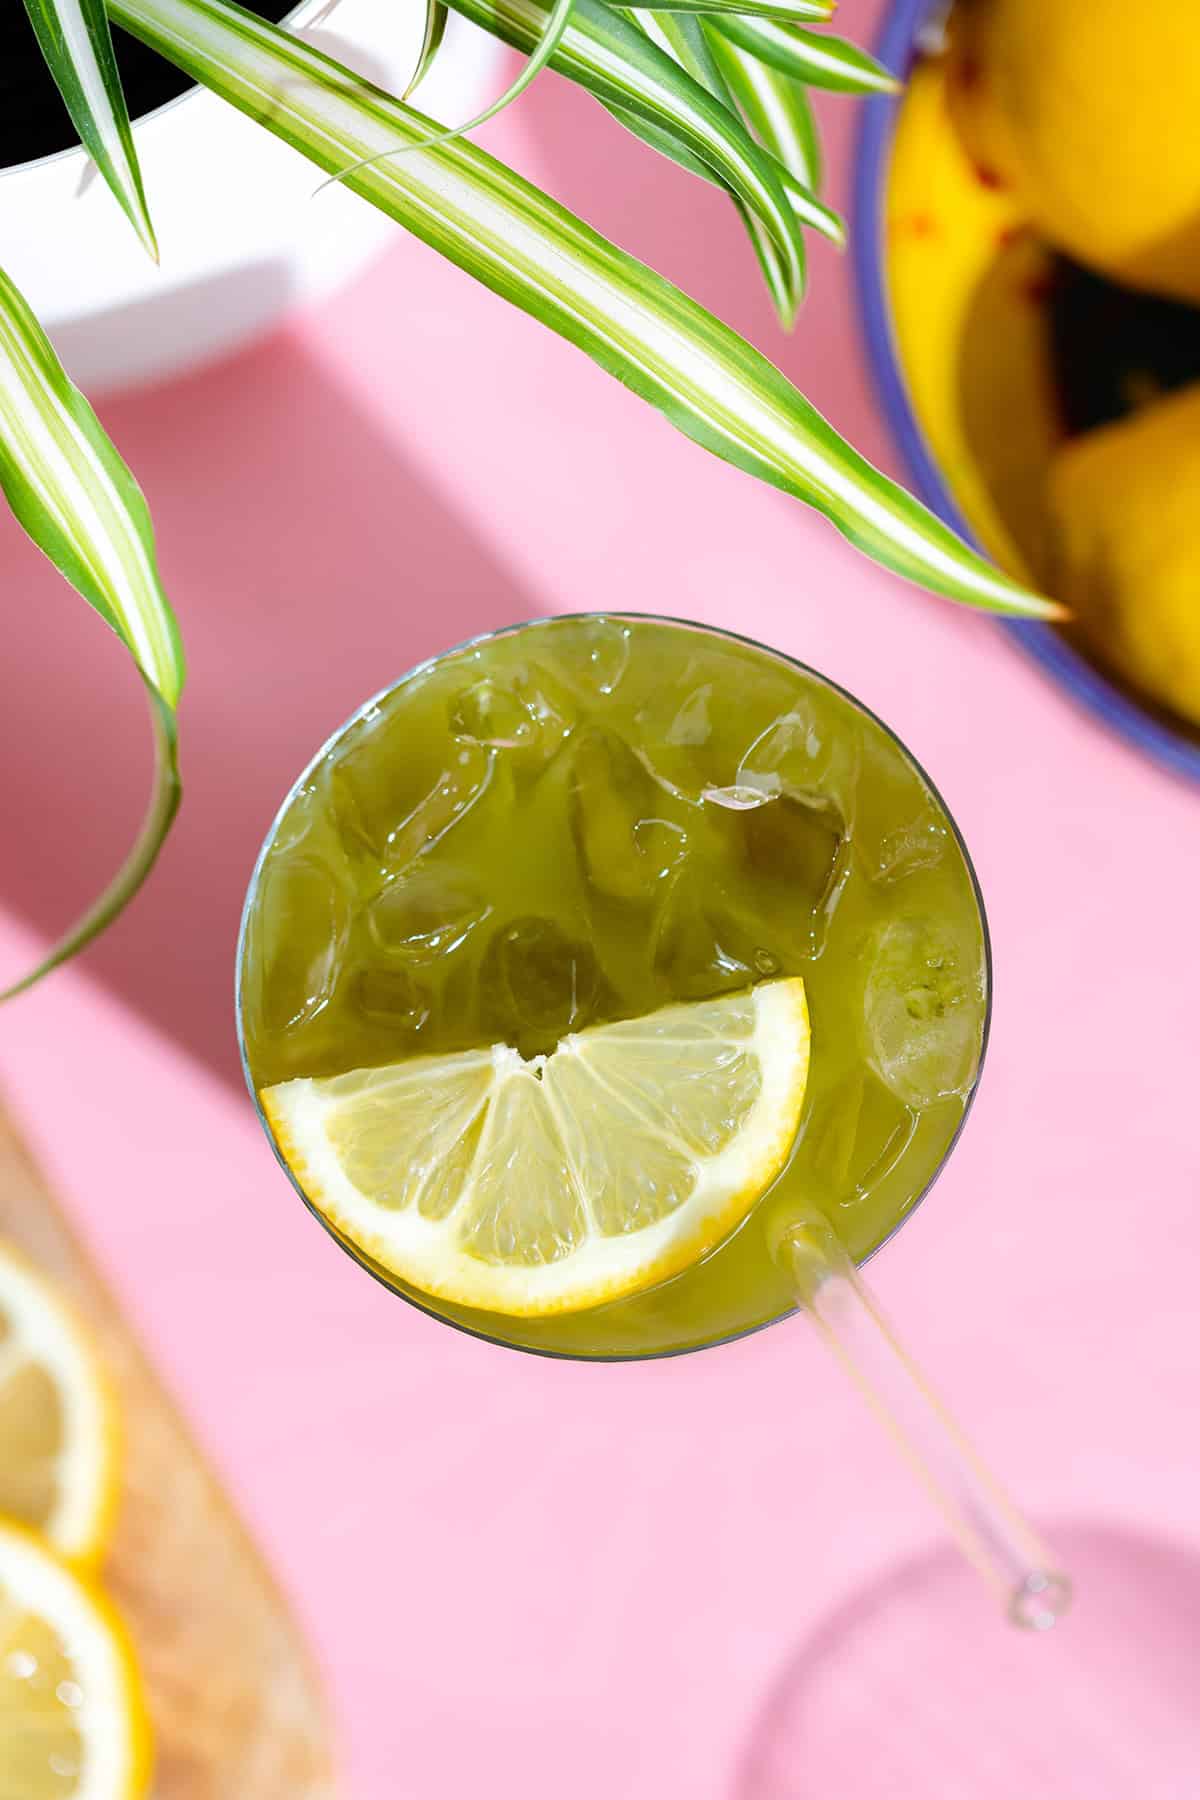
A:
(41, 1330)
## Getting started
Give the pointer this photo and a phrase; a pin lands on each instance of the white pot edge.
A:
(241, 236)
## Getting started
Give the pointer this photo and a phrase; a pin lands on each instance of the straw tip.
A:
(1042, 1599)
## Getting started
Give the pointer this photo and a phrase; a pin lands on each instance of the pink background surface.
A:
(527, 1578)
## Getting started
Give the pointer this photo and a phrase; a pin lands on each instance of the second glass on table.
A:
(607, 979)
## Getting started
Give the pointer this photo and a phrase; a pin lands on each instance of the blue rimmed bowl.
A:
(898, 48)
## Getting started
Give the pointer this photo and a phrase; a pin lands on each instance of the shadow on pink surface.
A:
(913, 1689)
(268, 483)
(267, 487)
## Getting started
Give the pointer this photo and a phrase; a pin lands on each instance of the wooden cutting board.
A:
(237, 1709)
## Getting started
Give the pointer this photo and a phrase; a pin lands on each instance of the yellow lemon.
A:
(966, 283)
(1124, 504)
(1086, 111)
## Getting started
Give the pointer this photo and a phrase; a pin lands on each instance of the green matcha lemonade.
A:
(574, 825)
(611, 986)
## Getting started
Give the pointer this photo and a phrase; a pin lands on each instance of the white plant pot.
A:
(241, 236)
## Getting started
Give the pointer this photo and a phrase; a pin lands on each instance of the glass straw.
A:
(988, 1528)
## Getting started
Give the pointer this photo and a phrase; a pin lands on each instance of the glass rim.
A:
(392, 1283)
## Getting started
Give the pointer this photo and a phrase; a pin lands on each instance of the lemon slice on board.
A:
(72, 1716)
(58, 1435)
(550, 1185)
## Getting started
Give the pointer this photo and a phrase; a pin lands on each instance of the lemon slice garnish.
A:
(554, 1184)
(58, 1439)
(72, 1715)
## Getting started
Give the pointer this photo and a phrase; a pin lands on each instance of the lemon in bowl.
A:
(998, 352)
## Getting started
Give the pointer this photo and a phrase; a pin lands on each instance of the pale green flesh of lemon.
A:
(40, 1746)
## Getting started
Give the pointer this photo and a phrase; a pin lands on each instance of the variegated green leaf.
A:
(681, 36)
(666, 146)
(810, 56)
(789, 12)
(694, 47)
(808, 209)
(708, 381)
(556, 24)
(436, 15)
(708, 68)
(778, 111)
(77, 45)
(616, 62)
(69, 488)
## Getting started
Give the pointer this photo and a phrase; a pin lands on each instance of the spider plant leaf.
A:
(556, 24)
(788, 12)
(696, 48)
(808, 209)
(77, 45)
(615, 61)
(436, 14)
(811, 210)
(666, 146)
(778, 111)
(810, 56)
(77, 500)
(709, 382)
(681, 37)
